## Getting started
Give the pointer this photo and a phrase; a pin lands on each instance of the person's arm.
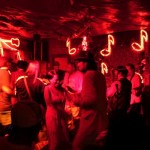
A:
(112, 90)
(53, 97)
(47, 95)
(65, 81)
(7, 90)
(136, 84)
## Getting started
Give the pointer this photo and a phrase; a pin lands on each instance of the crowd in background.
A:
(72, 109)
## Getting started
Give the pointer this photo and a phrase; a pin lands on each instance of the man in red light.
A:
(119, 94)
(92, 102)
(72, 83)
(135, 102)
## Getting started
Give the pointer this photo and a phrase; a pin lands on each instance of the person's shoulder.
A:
(48, 87)
(41, 81)
(92, 74)
(95, 73)
(79, 73)
(20, 79)
(137, 75)
(127, 81)
(117, 82)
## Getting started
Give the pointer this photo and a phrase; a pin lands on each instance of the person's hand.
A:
(7, 90)
(71, 90)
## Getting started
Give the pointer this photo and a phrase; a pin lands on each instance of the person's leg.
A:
(5, 122)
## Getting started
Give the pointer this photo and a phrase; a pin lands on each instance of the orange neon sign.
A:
(84, 43)
(107, 51)
(71, 51)
(104, 68)
(9, 43)
(143, 38)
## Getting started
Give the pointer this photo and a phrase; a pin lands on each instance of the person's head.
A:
(33, 69)
(27, 119)
(55, 80)
(131, 68)
(85, 61)
(121, 71)
(22, 64)
(70, 67)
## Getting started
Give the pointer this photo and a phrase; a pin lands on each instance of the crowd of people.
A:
(74, 109)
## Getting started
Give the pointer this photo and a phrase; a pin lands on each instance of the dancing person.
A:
(30, 86)
(72, 83)
(135, 103)
(119, 94)
(93, 124)
(56, 121)
(21, 69)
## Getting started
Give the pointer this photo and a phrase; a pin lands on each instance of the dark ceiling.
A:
(71, 18)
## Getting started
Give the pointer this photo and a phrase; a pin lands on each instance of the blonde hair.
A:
(33, 69)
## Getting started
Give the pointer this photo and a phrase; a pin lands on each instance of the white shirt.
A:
(136, 83)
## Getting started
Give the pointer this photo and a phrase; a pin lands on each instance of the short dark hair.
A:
(87, 56)
(122, 70)
(84, 56)
(131, 66)
(22, 64)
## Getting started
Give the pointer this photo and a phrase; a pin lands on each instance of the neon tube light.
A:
(143, 38)
(104, 68)
(71, 51)
(84, 43)
(107, 51)
(9, 43)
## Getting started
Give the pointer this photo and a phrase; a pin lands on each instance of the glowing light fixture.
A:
(84, 43)
(9, 43)
(107, 51)
(143, 38)
(104, 68)
(71, 51)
